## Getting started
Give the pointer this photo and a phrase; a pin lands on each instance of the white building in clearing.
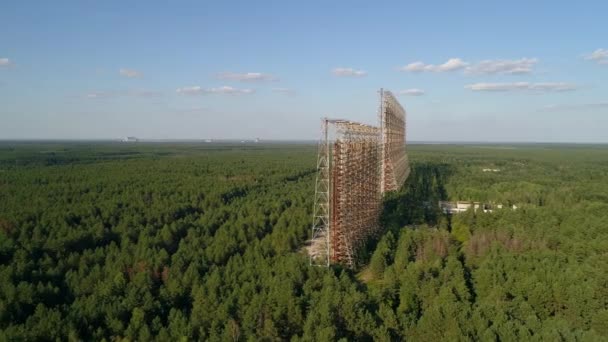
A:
(462, 206)
(129, 139)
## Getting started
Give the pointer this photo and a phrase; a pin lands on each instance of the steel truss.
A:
(320, 242)
(395, 164)
(356, 164)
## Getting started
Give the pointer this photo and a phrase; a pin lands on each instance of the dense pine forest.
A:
(173, 242)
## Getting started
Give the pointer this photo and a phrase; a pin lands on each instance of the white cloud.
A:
(197, 90)
(246, 77)
(599, 55)
(191, 90)
(130, 73)
(348, 72)
(412, 92)
(560, 86)
(503, 66)
(451, 65)
(497, 66)
(5, 62)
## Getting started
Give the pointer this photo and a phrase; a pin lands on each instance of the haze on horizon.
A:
(464, 71)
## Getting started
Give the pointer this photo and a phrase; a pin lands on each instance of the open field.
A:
(204, 241)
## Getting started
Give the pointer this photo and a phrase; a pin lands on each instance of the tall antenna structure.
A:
(319, 250)
(395, 164)
(356, 164)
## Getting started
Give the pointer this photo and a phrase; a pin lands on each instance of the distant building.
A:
(208, 140)
(463, 206)
(257, 140)
(129, 139)
(491, 170)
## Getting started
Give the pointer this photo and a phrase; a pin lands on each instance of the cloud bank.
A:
(521, 86)
(503, 66)
(412, 92)
(197, 90)
(485, 67)
(348, 72)
(451, 65)
(246, 77)
(600, 56)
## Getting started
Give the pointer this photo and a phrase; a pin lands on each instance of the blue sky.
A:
(464, 71)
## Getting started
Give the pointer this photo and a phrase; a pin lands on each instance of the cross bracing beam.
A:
(356, 164)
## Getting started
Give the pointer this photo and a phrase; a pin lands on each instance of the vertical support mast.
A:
(382, 140)
(395, 165)
(356, 164)
(328, 226)
(320, 244)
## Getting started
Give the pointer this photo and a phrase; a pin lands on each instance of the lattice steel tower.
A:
(356, 164)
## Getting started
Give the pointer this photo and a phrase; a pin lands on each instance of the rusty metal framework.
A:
(356, 164)
(395, 164)
(319, 249)
(356, 198)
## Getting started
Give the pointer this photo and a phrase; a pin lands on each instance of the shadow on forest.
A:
(416, 203)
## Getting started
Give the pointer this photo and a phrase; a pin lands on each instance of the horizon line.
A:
(261, 141)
